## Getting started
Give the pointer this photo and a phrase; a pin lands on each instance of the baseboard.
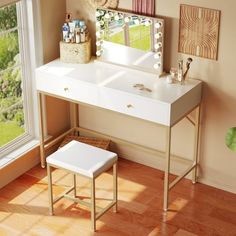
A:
(19, 166)
(176, 168)
(152, 160)
(211, 181)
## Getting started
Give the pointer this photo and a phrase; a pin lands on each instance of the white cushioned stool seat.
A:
(82, 159)
(88, 161)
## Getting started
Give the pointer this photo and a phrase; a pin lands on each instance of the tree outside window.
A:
(11, 99)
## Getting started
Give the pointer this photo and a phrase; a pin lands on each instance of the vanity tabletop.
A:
(119, 78)
(118, 88)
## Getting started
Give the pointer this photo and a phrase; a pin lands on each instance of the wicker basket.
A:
(97, 142)
(75, 52)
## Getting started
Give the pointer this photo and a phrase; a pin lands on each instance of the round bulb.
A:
(158, 35)
(158, 45)
(97, 14)
(126, 19)
(157, 55)
(98, 24)
(98, 43)
(158, 25)
(157, 66)
(107, 16)
(147, 23)
(98, 53)
(117, 17)
(98, 34)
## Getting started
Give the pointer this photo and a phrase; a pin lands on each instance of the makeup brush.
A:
(189, 60)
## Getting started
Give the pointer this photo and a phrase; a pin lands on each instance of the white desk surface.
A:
(112, 87)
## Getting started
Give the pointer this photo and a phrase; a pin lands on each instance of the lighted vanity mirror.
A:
(130, 40)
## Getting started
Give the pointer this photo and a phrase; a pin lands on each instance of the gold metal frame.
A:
(94, 214)
(167, 154)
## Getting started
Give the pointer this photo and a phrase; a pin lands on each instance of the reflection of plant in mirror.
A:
(139, 37)
(230, 139)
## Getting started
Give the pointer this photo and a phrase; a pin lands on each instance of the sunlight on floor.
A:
(175, 207)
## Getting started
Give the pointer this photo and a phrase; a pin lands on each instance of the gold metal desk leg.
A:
(93, 205)
(196, 143)
(74, 115)
(167, 168)
(41, 130)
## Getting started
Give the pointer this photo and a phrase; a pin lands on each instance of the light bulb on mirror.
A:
(116, 17)
(157, 65)
(148, 22)
(158, 45)
(126, 19)
(157, 55)
(98, 24)
(98, 34)
(98, 43)
(107, 16)
(98, 14)
(158, 35)
(158, 25)
(99, 53)
(102, 12)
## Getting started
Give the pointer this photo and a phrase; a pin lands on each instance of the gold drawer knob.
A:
(66, 89)
(129, 106)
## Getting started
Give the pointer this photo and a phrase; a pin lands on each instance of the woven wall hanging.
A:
(199, 31)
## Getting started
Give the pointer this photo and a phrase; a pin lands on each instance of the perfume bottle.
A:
(180, 71)
(65, 32)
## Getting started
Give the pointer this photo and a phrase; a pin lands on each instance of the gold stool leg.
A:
(93, 205)
(74, 180)
(50, 189)
(115, 186)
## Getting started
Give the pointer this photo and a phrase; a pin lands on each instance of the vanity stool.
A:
(88, 161)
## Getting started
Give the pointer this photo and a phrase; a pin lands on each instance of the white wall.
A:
(218, 164)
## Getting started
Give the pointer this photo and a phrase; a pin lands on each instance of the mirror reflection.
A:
(130, 40)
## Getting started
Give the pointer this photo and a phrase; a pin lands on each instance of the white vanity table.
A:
(111, 87)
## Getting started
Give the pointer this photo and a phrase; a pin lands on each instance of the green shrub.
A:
(10, 84)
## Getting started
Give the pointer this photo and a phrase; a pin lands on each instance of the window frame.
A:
(27, 20)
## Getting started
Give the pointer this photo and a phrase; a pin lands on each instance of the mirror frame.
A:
(157, 41)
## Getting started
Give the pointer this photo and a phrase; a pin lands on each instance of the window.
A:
(16, 93)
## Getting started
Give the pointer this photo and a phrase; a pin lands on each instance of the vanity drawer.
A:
(103, 97)
(135, 106)
(67, 88)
